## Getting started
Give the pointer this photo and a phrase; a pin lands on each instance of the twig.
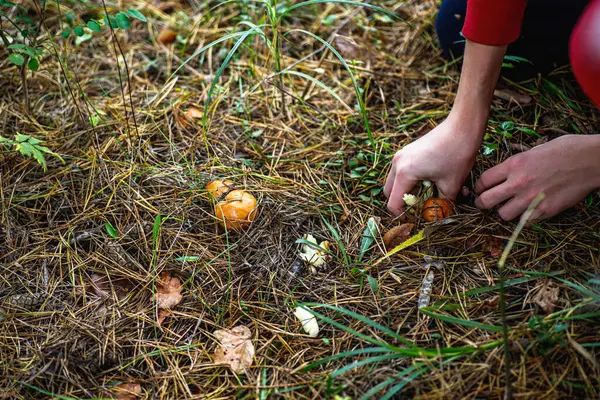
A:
(524, 218)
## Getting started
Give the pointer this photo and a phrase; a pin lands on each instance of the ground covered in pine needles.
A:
(85, 244)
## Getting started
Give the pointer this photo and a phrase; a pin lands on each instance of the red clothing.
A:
(494, 22)
(498, 22)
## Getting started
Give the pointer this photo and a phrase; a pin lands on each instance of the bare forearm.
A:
(480, 71)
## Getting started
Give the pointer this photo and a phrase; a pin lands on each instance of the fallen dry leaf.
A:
(126, 391)
(347, 47)
(168, 291)
(547, 297)
(510, 96)
(161, 315)
(102, 287)
(187, 119)
(493, 245)
(236, 348)
(397, 235)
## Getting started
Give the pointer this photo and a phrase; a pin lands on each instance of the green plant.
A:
(272, 34)
(24, 44)
(29, 147)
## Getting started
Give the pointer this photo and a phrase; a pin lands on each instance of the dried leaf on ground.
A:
(236, 348)
(103, 287)
(308, 321)
(161, 315)
(397, 235)
(168, 291)
(126, 391)
(347, 47)
(512, 96)
(493, 246)
(547, 297)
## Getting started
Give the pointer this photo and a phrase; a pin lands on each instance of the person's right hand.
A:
(444, 156)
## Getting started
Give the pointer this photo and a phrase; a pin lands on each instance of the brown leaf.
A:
(512, 96)
(103, 287)
(161, 315)
(168, 291)
(493, 245)
(347, 47)
(236, 349)
(547, 297)
(126, 391)
(397, 235)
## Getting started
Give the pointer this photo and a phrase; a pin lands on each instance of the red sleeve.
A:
(494, 22)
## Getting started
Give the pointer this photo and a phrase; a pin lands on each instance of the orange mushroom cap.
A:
(237, 210)
(437, 209)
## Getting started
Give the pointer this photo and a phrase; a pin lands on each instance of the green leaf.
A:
(16, 46)
(94, 26)
(33, 64)
(30, 51)
(123, 21)
(156, 228)
(94, 120)
(188, 259)
(22, 138)
(507, 125)
(25, 149)
(137, 15)
(368, 236)
(111, 230)
(16, 59)
(39, 157)
(111, 21)
(65, 33)
(429, 311)
(6, 3)
(78, 30)
(373, 284)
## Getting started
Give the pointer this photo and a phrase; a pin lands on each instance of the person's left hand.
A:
(565, 170)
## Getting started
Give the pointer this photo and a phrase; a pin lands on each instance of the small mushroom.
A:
(436, 209)
(235, 208)
(166, 36)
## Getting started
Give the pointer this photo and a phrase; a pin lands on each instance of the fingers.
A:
(494, 196)
(492, 177)
(389, 182)
(513, 209)
(401, 185)
(448, 191)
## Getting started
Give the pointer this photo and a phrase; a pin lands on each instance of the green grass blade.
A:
(350, 353)
(359, 98)
(243, 37)
(321, 85)
(203, 49)
(348, 2)
(511, 282)
(405, 381)
(378, 388)
(365, 320)
(464, 322)
(338, 240)
(367, 361)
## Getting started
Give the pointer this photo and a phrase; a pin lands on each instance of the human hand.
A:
(565, 170)
(444, 156)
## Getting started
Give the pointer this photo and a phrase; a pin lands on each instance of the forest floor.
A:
(86, 243)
